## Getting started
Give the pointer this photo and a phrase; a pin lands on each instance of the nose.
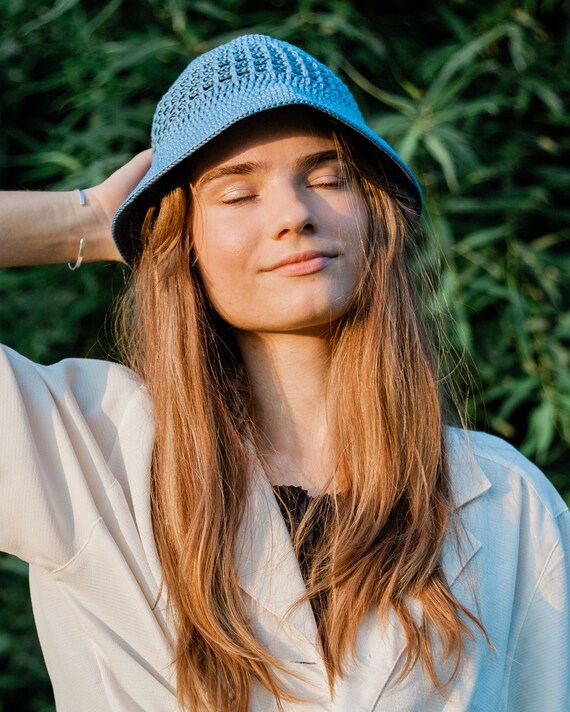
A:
(293, 213)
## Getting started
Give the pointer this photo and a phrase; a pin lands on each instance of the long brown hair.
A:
(386, 532)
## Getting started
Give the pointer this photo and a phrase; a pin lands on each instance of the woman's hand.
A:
(107, 197)
(45, 227)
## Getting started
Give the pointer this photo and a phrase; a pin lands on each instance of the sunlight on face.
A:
(278, 231)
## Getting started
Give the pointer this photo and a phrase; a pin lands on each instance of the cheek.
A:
(222, 260)
(350, 210)
(359, 210)
(353, 226)
(216, 248)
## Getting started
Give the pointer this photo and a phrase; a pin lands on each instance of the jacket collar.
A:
(467, 478)
(266, 563)
(269, 573)
(468, 482)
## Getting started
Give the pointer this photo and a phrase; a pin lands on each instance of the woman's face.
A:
(279, 235)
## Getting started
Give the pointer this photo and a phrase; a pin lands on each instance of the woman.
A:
(279, 518)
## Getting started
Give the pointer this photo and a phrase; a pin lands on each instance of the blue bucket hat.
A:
(246, 76)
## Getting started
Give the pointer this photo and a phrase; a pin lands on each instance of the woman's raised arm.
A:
(45, 227)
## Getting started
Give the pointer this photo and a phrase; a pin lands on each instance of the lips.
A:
(303, 263)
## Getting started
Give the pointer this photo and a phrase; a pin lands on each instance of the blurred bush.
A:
(472, 95)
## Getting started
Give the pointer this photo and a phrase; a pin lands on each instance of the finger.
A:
(129, 175)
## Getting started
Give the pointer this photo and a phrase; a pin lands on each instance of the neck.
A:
(288, 374)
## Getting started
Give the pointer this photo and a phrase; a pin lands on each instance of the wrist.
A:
(94, 226)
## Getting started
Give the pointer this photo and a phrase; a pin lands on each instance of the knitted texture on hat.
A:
(246, 76)
(233, 80)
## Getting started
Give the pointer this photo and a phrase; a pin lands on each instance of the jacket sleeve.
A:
(58, 430)
(540, 669)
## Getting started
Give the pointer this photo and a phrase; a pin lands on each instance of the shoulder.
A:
(72, 373)
(519, 529)
(486, 462)
(514, 534)
(71, 432)
(90, 387)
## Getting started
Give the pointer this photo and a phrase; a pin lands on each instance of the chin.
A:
(290, 317)
(316, 324)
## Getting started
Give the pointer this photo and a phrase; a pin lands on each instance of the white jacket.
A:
(74, 503)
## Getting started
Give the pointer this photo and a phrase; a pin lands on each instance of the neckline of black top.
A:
(293, 502)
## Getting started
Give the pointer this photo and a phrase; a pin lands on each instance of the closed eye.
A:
(326, 184)
(330, 181)
(238, 199)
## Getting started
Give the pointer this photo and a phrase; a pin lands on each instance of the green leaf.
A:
(400, 103)
(444, 158)
(542, 422)
(60, 8)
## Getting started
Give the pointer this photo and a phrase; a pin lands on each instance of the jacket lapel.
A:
(267, 566)
(468, 482)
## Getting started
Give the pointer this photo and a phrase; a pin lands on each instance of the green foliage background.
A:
(472, 95)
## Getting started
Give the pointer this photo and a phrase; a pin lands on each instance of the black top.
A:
(293, 502)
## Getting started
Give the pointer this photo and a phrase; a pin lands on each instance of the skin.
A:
(45, 227)
(272, 190)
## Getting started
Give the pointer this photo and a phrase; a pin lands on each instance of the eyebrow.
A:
(305, 163)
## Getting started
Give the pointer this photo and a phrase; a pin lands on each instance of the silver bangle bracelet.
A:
(79, 259)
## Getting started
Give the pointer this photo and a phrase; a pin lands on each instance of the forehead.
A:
(262, 130)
